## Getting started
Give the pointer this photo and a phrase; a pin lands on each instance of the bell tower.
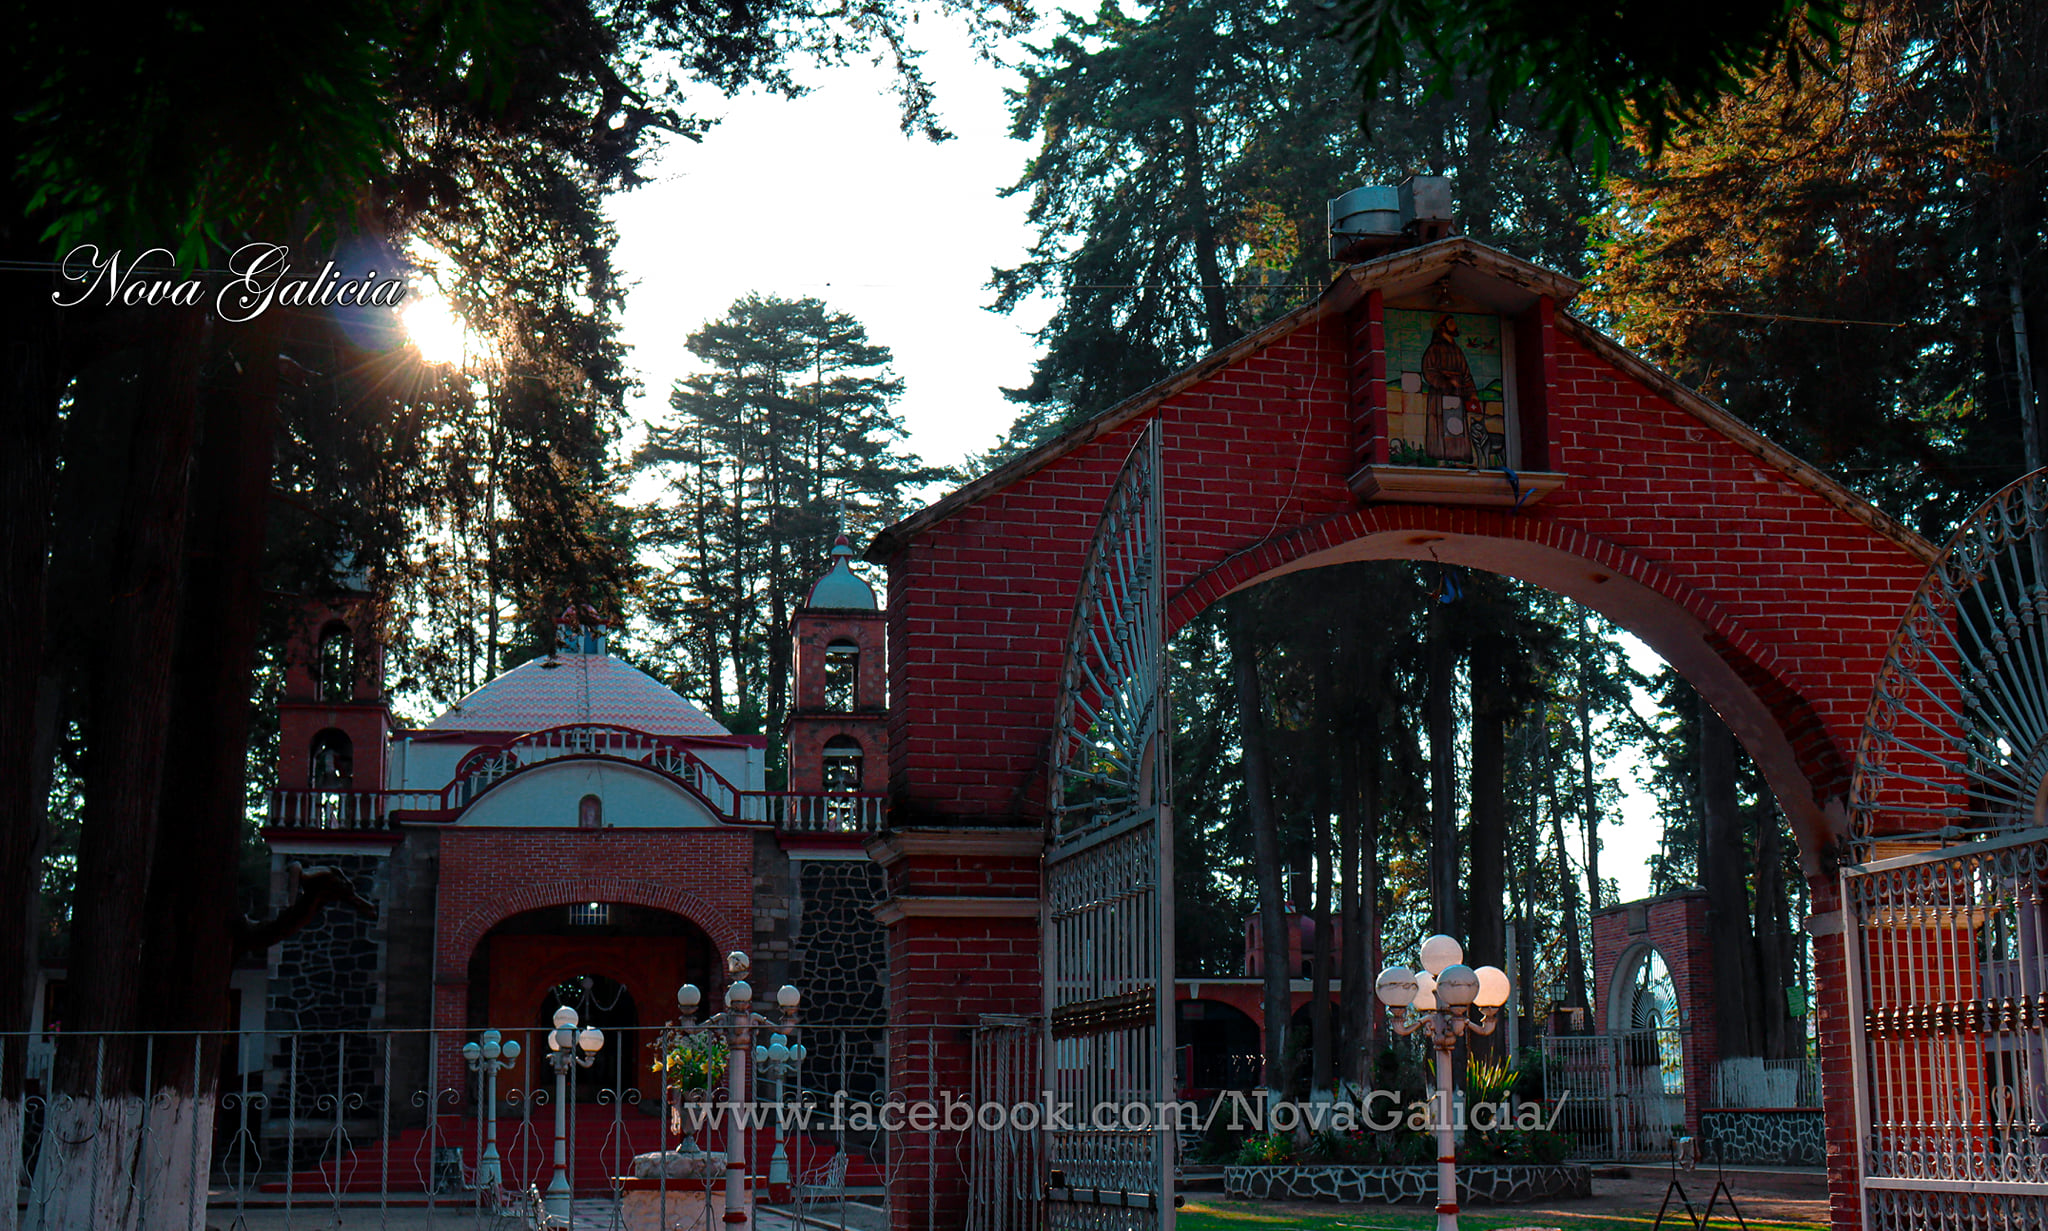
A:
(334, 721)
(837, 730)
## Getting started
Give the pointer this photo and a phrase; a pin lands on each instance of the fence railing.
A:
(361, 1126)
(1619, 1096)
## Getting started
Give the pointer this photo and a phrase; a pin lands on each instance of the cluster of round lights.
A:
(491, 1048)
(779, 1050)
(738, 995)
(1444, 979)
(565, 1034)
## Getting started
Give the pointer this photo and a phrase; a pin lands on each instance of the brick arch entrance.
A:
(1771, 587)
(485, 904)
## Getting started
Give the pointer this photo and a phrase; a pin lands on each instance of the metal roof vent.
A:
(1368, 221)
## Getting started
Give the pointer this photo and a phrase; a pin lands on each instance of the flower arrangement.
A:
(690, 1061)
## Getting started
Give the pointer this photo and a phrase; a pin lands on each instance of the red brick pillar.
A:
(1831, 1005)
(962, 914)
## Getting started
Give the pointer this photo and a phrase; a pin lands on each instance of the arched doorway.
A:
(617, 964)
(1217, 1046)
(1645, 1016)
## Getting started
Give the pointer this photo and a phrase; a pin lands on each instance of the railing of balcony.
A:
(824, 812)
(346, 811)
(829, 812)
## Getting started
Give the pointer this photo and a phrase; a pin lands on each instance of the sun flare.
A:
(436, 329)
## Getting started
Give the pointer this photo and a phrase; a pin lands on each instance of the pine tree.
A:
(789, 436)
(1843, 261)
(1184, 163)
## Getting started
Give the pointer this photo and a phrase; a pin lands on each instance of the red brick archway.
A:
(1770, 587)
(488, 875)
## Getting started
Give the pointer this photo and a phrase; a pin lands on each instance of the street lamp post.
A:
(489, 1058)
(778, 1059)
(568, 1048)
(739, 1021)
(1442, 996)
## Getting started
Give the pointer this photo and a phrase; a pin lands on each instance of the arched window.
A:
(334, 761)
(842, 670)
(590, 813)
(842, 761)
(337, 663)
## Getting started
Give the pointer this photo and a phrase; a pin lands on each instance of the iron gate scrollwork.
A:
(1948, 944)
(1948, 975)
(1108, 901)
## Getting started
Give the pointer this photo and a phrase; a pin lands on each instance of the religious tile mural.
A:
(1446, 391)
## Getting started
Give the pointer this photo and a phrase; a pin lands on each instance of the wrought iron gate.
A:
(1108, 912)
(1005, 1171)
(1947, 944)
(1618, 1097)
(1948, 993)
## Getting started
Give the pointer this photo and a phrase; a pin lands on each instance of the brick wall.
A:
(1675, 925)
(1776, 602)
(962, 914)
(490, 875)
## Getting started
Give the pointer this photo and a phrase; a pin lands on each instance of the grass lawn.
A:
(1209, 1214)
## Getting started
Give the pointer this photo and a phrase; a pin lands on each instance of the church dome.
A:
(576, 688)
(841, 588)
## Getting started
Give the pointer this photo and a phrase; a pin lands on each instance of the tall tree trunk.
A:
(1568, 889)
(1364, 1021)
(1773, 950)
(1322, 1036)
(1356, 997)
(1194, 189)
(1258, 793)
(130, 714)
(30, 375)
(1443, 771)
(1589, 800)
(1486, 922)
(190, 945)
(1724, 875)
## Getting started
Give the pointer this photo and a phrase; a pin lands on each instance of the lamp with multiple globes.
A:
(568, 1049)
(775, 1058)
(1439, 1002)
(490, 1055)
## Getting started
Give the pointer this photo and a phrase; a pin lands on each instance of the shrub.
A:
(1266, 1151)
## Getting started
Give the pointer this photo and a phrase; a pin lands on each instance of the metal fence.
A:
(1948, 1004)
(1620, 1096)
(387, 1129)
(1007, 1168)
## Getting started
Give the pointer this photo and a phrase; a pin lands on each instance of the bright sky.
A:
(824, 196)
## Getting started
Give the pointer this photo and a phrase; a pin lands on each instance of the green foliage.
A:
(789, 434)
(1266, 1151)
(1836, 260)
(691, 1061)
(1597, 69)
